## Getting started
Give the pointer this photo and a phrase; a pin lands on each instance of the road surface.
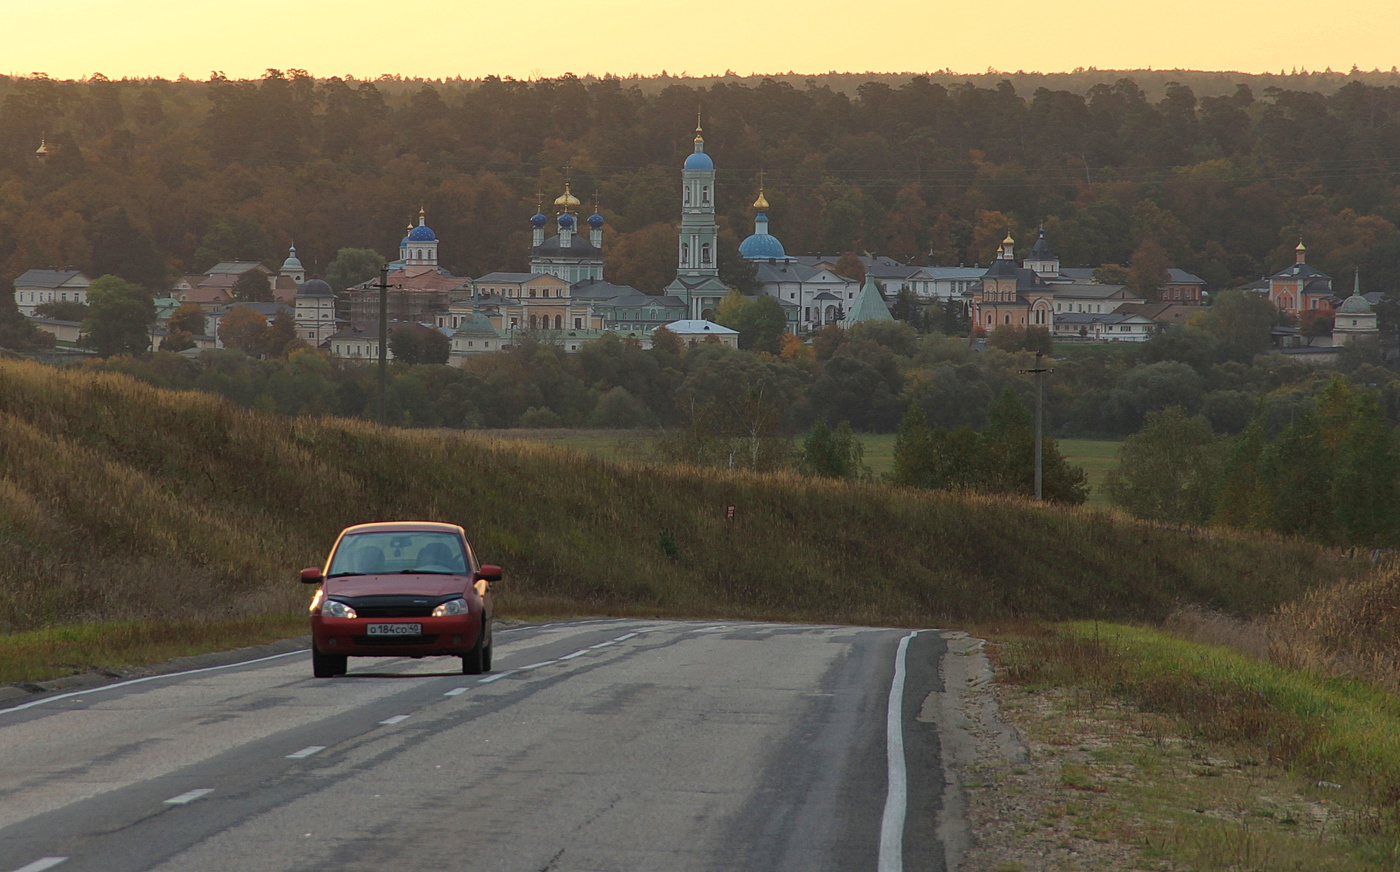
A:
(607, 745)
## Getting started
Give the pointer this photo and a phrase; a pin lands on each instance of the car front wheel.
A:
(327, 665)
(475, 662)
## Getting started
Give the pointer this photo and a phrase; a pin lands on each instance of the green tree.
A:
(406, 344)
(1366, 487)
(119, 317)
(252, 287)
(281, 338)
(1008, 446)
(352, 266)
(760, 321)
(1241, 322)
(62, 310)
(437, 348)
(1167, 471)
(1239, 500)
(234, 238)
(833, 455)
(1296, 481)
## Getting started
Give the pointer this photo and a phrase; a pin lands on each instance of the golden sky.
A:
(472, 38)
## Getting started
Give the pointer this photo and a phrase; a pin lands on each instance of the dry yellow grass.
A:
(120, 501)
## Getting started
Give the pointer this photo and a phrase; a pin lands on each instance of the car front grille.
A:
(394, 640)
(395, 606)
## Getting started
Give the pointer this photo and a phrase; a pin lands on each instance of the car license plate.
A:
(394, 630)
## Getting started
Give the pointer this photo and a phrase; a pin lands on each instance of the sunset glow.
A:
(76, 38)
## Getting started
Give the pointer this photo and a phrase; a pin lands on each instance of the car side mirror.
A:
(488, 572)
(312, 575)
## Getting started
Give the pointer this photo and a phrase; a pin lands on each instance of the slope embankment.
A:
(123, 501)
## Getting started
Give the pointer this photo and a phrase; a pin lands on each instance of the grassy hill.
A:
(120, 501)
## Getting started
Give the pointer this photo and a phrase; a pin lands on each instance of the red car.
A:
(401, 589)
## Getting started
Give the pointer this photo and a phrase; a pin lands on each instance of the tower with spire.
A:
(699, 231)
(697, 280)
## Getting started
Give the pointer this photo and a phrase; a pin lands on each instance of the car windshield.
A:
(399, 552)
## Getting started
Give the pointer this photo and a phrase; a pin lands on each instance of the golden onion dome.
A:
(1301, 246)
(1008, 240)
(761, 202)
(567, 201)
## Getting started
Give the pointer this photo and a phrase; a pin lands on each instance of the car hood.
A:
(397, 585)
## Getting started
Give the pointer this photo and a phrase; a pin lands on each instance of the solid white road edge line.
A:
(573, 656)
(131, 681)
(896, 801)
(626, 637)
(396, 719)
(41, 864)
(189, 796)
(600, 645)
(306, 752)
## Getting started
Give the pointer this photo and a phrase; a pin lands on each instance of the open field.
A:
(1095, 455)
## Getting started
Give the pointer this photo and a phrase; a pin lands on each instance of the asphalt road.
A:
(616, 746)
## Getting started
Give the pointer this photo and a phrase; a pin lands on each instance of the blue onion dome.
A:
(539, 220)
(291, 264)
(699, 161)
(421, 233)
(761, 246)
(315, 288)
(566, 221)
(595, 221)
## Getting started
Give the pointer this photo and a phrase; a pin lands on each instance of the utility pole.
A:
(1039, 371)
(383, 340)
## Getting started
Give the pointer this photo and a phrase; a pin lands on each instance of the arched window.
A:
(704, 195)
(687, 195)
(705, 253)
(558, 322)
(533, 323)
(685, 252)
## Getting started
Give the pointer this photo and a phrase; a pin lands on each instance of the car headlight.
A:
(452, 607)
(335, 609)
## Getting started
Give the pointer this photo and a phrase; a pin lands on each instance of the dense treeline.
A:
(868, 376)
(149, 179)
(1332, 474)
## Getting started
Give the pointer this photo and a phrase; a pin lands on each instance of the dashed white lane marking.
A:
(600, 645)
(496, 677)
(189, 796)
(41, 864)
(896, 801)
(306, 752)
(624, 638)
(396, 719)
(457, 691)
(573, 656)
(537, 665)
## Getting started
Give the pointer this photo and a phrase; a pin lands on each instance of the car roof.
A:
(404, 526)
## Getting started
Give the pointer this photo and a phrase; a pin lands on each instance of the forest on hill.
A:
(150, 179)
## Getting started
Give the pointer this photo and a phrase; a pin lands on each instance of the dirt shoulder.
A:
(1063, 780)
